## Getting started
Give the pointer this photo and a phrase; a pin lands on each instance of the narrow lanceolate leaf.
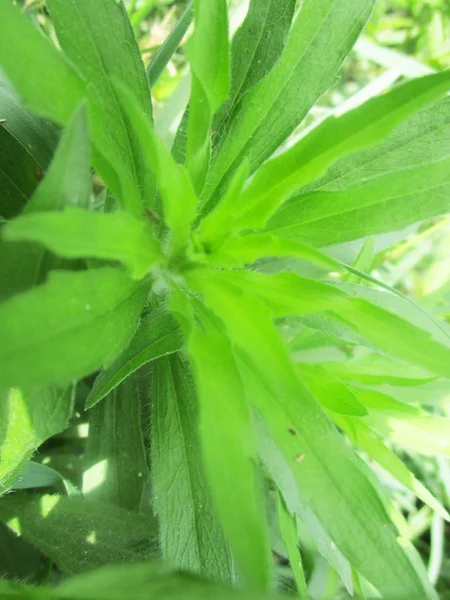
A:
(360, 128)
(328, 479)
(78, 233)
(68, 327)
(228, 449)
(115, 465)
(27, 420)
(373, 444)
(79, 535)
(46, 81)
(288, 529)
(290, 294)
(67, 183)
(381, 204)
(208, 55)
(178, 196)
(149, 580)
(256, 47)
(159, 334)
(190, 533)
(320, 38)
(26, 147)
(101, 53)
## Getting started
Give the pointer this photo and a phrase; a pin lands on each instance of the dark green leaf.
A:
(115, 465)
(78, 233)
(190, 534)
(99, 40)
(158, 335)
(68, 327)
(78, 534)
(27, 419)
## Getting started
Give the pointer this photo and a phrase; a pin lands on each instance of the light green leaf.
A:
(115, 464)
(331, 392)
(190, 534)
(101, 53)
(328, 478)
(46, 81)
(382, 401)
(363, 261)
(365, 126)
(37, 475)
(255, 49)
(228, 448)
(78, 233)
(372, 443)
(67, 183)
(178, 196)
(159, 334)
(288, 530)
(27, 420)
(321, 36)
(149, 580)
(208, 55)
(77, 534)
(68, 327)
(378, 205)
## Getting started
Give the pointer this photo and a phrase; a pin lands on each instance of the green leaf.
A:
(331, 392)
(328, 479)
(149, 580)
(178, 196)
(321, 36)
(382, 401)
(19, 561)
(68, 327)
(27, 145)
(372, 443)
(46, 81)
(78, 233)
(288, 530)
(228, 448)
(255, 49)
(67, 183)
(79, 535)
(363, 261)
(165, 52)
(37, 475)
(208, 55)
(290, 294)
(27, 420)
(159, 334)
(115, 464)
(101, 53)
(190, 534)
(365, 126)
(375, 206)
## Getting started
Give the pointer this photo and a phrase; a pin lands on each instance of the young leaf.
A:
(101, 53)
(256, 47)
(68, 327)
(328, 480)
(79, 534)
(190, 534)
(67, 183)
(78, 233)
(159, 334)
(208, 55)
(228, 449)
(288, 530)
(379, 205)
(27, 420)
(46, 81)
(360, 128)
(178, 196)
(372, 443)
(321, 36)
(115, 464)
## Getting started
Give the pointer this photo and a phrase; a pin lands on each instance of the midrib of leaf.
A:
(73, 329)
(130, 154)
